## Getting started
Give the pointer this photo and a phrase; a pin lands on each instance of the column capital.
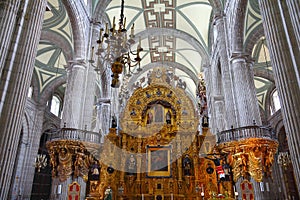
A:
(238, 56)
(104, 100)
(76, 63)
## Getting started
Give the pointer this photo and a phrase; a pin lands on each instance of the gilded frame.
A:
(158, 161)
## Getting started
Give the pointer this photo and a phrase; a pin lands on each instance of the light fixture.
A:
(40, 162)
(115, 49)
(284, 159)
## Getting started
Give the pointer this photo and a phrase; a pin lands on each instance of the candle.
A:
(100, 35)
(106, 28)
(132, 30)
(124, 25)
(142, 196)
(92, 53)
(171, 196)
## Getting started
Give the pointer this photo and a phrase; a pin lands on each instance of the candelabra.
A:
(115, 49)
(283, 159)
(40, 162)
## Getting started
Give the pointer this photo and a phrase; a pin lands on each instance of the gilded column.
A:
(16, 72)
(286, 70)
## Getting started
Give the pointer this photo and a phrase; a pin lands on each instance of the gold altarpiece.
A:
(158, 119)
(156, 151)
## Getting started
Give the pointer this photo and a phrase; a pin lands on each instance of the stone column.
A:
(15, 81)
(286, 72)
(74, 95)
(9, 11)
(294, 13)
(104, 116)
(230, 109)
(88, 107)
(245, 97)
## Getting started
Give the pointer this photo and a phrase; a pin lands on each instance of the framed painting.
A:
(158, 161)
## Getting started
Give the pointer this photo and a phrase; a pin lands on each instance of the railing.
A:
(74, 134)
(244, 133)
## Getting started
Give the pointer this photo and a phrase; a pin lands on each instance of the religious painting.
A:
(74, 191)
(158, 161)
(247, 190)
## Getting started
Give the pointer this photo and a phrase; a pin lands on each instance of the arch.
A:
(253, 38)
(59, 41)
(178, 34)
(79, 23)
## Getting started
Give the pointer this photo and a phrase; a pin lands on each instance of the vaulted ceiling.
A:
(173, 34)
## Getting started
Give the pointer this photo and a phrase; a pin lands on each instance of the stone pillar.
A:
(294, 12)
(245, 97)
(286, 71)
(230, 109)
(15, 80)
(104, 116)
(9, 11)
(74, 95)
(89, 100)
(219, 111)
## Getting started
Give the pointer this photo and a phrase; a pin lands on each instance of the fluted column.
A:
(104, 117)
(219, 110)
(15, 81)
(74, 96)
(294, 12)
(286, 71)
(230, 110)
(89, 98)
(8, 17)
(245, 97)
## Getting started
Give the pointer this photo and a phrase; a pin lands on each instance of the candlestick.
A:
(132, 30)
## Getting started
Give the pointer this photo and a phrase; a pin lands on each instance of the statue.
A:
(108, 194)
(131, 163)
(168, 117)
(114, 122)
(187, 166)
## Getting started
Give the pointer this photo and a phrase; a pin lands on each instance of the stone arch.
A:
(59, 41)
(253, 38)
(79, 22)
(178, 34)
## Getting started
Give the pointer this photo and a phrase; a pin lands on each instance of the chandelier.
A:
(40, 161)
(114, 49)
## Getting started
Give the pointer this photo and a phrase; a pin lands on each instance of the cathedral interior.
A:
(150, 99)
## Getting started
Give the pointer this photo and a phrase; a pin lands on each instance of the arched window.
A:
(275, 102)
(55, 106)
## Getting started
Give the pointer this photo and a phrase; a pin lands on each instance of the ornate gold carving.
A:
(253, 156)
(62, 153)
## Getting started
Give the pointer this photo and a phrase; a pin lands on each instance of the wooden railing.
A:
(74, 134)
(244, 133)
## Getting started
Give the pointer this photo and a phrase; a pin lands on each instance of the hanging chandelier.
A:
(115, 49)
